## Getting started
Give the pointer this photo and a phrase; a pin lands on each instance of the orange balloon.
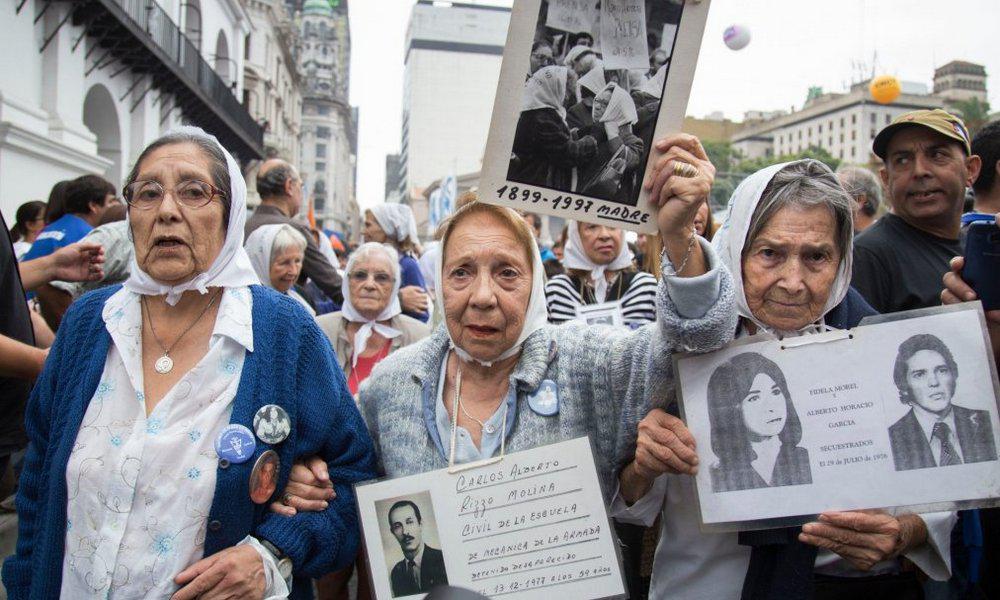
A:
(885, 89)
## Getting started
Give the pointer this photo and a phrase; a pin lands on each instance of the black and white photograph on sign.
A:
(592, 95)
(936, 431)
(585, 88)
(755, 429)
(899, 414)
(411, 544)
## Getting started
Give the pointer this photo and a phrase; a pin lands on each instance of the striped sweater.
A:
(638, 301)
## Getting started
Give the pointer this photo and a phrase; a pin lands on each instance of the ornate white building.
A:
(329, 124)
(86, 85)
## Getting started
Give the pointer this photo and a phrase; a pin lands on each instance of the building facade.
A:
(960, 80)
(86, 85)
(452, 66)
(329, 125)
(843, 124)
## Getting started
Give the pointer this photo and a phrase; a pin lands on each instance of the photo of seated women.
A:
(755, 430)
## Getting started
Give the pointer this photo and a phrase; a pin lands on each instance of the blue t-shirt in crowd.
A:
(67, 229)
(409, 270)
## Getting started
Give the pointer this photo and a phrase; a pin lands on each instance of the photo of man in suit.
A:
(935, 432)
(422, 567)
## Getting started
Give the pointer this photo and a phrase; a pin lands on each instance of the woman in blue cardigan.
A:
(171, 408)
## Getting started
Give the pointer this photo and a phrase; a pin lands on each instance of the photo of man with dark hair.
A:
(935, 432)
(422, 567)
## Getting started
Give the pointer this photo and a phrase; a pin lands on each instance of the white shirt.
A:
(140, 488)
(927, 422)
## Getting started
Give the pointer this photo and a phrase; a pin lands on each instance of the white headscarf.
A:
(391, 310)
(654, 85)
(574, 53)
(546, 89)
(594, 80)
(536, 317)
(731, 238)
(574, 257)
(620, 109)
(260, 249)
(231, 267)
(397, 221)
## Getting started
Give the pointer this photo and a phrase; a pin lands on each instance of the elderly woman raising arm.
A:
(787, 241)
(146, 466)
(496, 377)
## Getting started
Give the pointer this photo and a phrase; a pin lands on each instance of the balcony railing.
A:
(210, 100)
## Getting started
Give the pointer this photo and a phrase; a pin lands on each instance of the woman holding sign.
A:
(497, 378)
(788, 242)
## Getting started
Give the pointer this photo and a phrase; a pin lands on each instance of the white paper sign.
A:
(667, 41)
(605, 313)
(889, 415)
(623, 34)
(547, 152)
(574, 16)
(531, 526)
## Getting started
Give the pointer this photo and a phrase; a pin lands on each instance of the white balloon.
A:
(736, 37)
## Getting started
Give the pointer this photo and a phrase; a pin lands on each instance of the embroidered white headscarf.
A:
(574, 257)
(260, 249)
(536, 317)
(593, 80)
(397, 221)
(731, 238)
(620, 109)
(546, 89)
(575, 53)
(231, 268)
(368, 250)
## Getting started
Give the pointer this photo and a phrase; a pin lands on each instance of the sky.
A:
(794, 44)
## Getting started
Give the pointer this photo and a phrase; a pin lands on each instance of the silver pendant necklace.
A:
(165, 364)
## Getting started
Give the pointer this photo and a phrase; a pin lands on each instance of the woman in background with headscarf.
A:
(599, 269)
(393, 224)
(367, 329)
(545, 151)
(647, 104)
(276, 253)
(580, 115)
(612, 172)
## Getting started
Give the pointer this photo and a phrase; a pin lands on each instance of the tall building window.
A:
(320, 150)
(323, 132)
(320, 167)
(874, 116)
(246, 47)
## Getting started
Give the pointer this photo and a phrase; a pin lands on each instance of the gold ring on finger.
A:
(286, 499)
(683, 169)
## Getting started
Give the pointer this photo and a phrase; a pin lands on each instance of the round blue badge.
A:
(545, 400)
(235, 443)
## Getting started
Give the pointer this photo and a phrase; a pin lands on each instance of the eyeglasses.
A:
(190, 194)
(362, 276)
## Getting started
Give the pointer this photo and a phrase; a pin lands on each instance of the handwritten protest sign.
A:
(527, 527)
(623, 34)
(574, 16)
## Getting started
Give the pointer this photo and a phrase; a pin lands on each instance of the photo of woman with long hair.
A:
(755, 430)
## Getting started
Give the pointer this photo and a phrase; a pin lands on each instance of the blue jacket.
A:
(292, 365)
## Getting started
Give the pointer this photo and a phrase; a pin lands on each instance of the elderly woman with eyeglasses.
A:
(171, 408)
(370, 326)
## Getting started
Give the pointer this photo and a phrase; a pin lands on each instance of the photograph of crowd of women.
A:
(592, 95)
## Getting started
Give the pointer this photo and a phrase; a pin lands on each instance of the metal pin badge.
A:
(545, 400)
(235, 443)
(264, 477)
(271, 424)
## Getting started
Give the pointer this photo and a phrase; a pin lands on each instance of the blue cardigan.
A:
(292, 365)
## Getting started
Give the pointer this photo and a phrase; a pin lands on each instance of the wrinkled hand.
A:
(309, 488)
(678, 198)
(81, 261)
(236, 572)
(414, 299)
(863, 538)
(664, 445)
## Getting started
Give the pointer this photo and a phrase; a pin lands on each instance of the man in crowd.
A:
(422, 567)
(866, 190)
(986, 145)
(928, 163)
(87, 198)
(280, 190)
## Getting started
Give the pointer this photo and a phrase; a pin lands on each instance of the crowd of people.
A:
(206, 383)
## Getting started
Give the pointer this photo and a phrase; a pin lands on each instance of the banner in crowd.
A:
(900, 412)
(585, 87)
(531, 525)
